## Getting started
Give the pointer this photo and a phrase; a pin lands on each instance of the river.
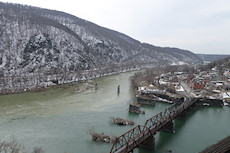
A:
(58, 120)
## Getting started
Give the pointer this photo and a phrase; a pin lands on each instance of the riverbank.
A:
(58, 120)
(52, 81)
(153, 87)
(18, 82)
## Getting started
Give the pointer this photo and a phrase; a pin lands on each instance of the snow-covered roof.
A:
(180, 89)
(162, 82)
(226, 95)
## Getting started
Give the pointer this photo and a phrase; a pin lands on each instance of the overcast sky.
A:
(201, 26)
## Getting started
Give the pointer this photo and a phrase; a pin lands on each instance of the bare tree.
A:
(12, 146)
(38, 150)
(15, 146)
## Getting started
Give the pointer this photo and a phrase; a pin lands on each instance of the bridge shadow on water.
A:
(162, 138)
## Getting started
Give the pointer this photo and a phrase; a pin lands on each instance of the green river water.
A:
(58, 120)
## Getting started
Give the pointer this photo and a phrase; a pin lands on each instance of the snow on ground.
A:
(226, 95)
(180, 88)
(162, 82)
(141, 88)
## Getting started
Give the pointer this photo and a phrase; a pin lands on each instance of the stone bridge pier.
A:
(183, 114)
(149, 143)
(169, 127)
(143, 136)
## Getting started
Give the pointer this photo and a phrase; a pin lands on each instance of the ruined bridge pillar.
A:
(149, 143)
(169, 127)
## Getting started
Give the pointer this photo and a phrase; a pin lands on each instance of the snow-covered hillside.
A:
(39, 46)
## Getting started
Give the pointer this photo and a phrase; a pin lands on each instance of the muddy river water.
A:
(58, 120)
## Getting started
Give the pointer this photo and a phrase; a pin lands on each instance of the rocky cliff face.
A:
(46, 42)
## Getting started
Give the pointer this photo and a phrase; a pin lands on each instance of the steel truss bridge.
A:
(143, 135)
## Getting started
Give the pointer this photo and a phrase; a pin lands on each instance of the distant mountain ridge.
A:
(35, 40)
(212, 57)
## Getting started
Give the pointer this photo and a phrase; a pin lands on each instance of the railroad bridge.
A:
(143, 136)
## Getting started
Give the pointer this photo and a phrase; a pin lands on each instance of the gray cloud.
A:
(199, 26)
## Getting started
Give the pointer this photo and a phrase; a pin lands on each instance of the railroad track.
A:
(222, 146)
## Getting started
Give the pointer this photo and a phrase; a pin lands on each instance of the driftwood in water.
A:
(121, 121)
(101, 137)
(135, 109)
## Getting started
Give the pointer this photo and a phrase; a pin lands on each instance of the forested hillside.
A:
(40, 47)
